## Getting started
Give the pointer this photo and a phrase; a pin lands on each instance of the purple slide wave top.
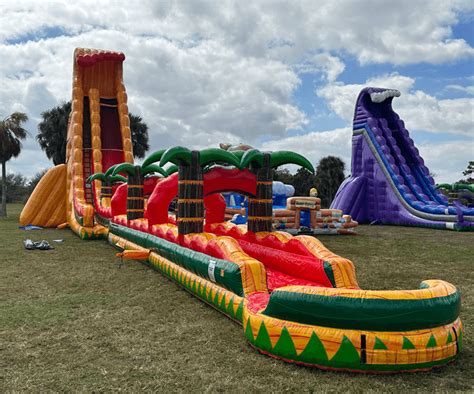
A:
(389, 181)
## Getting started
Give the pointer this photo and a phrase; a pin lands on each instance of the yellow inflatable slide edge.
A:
(46, 206)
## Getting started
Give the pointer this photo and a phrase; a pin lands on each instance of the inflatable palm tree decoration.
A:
(261, 164)
(107, 180)
(135, 177)
(190, 164)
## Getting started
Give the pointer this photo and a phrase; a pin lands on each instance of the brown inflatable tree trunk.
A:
(190, 197)
(135, 199)
(106, 189)
(261, 207)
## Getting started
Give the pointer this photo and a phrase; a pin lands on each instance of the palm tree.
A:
(135, 176)
(262, 164)
(190, 216)
(139, 130)
(11, 134)
(52, 132)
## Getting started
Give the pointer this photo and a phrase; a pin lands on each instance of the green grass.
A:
(71, 319)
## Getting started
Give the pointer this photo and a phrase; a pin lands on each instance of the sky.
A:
(272, 74)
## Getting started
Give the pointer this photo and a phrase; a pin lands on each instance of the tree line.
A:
(19, 187)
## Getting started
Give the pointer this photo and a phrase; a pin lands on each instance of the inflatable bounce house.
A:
(295, 215)
(390, 183)
(295, 299)
(458, 192)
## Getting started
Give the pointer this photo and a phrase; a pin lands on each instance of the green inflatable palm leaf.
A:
(287, 157)
(252, 156)
(117, 178)
(171, 170)
(153, 168)
(124, 167)
(98, 175)
(154, 157)
(178, 155)
(216, 155)
(238, 153)
(110, 170)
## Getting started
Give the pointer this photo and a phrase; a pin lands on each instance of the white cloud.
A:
(330, 66)
(399, 32)
(419, 110)
(463, 89)
(211, 89)
(447, 160)
(317, 144)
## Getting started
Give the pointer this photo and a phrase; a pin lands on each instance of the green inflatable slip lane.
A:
(78, 217)
(225, 273)
(456, 186)
(364, 313)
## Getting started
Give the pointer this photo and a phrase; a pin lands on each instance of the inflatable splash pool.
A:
(295, 299)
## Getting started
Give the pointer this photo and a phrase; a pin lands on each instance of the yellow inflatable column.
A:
(94, 102)
(123, 116)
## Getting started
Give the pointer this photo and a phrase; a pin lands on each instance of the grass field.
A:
(71, 319)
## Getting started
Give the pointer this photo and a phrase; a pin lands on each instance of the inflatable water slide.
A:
(390, 183)
(98, 137)
(296, 300)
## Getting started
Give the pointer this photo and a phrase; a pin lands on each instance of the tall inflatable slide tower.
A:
(390, 183)
(98, 137)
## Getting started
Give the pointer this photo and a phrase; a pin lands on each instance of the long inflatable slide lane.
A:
(296, 300)
(98, 137)
(390, 182)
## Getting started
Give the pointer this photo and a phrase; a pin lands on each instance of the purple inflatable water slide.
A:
(390, 183)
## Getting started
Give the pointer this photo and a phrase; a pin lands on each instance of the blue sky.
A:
(436, 80)
(272, 74)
